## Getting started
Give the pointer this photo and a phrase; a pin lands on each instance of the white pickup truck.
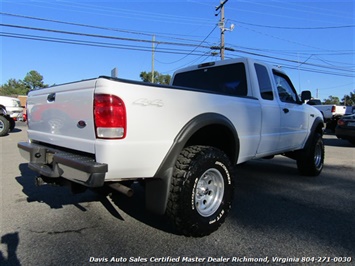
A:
(181, 140)
(10, 111)
(331, 112)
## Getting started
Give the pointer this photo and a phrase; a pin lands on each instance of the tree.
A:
(34, 80)
(349, 100)
(158, 78)
(332, 100)
(13, 87)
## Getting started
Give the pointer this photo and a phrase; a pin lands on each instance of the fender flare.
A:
(317, 126)
(157, 188)
(318, 122)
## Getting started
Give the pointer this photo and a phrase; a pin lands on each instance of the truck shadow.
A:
(330, 139)
(56, 197)
(16, 130)
(336, 142)
(135, 207)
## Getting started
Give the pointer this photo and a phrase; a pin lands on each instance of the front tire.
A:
(201, 191)
(12, 124)
(310, 163)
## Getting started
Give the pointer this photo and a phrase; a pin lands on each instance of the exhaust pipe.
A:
(43, 180)
(122, 189)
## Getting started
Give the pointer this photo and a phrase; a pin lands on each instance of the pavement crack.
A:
(77, 231)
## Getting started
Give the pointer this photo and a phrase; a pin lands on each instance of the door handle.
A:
(285, 110)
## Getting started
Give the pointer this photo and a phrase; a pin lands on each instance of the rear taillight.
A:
(341, 122)
(110, 117)
(333, 109)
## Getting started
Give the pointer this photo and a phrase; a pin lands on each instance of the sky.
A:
(65, 40)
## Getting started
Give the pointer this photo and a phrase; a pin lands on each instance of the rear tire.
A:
(310, 162)
(201, 191)
(4, 126)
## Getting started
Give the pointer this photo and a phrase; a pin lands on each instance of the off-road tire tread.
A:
(175, 210)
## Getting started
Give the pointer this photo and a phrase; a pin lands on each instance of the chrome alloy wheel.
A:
(209, 192)
(318, 155)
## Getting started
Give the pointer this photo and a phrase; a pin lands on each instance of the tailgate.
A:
(63, 115)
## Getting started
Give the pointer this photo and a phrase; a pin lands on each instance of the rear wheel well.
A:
(218, 136)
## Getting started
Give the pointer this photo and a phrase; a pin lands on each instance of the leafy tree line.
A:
(347, 100)
(158, 78)
(32, 81)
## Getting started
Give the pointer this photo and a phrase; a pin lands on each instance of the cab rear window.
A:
(228, 79)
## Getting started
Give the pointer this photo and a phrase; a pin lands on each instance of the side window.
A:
(285, 89)
(227, 79)
(264, 82)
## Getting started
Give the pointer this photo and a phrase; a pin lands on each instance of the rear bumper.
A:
(15, 113)
(55, 163)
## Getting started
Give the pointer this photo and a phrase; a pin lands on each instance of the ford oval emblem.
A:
(81, 124)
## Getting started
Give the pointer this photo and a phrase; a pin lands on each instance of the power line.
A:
(95, 44)
(194, 48)
(73, 24)
(333, 70)
(326, 69)
(177, 51)
(289, 14)
(143, 15)
(294, 28)
(285, 40)
(162, 35)
(319, 10)
(95, 35)
(101, 10)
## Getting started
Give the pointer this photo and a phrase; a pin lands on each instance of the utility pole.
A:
(153, 43)
(221, 25)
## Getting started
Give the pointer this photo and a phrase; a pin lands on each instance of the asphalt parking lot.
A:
(278, 217)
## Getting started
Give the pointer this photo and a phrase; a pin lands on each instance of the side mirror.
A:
(306, 95)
